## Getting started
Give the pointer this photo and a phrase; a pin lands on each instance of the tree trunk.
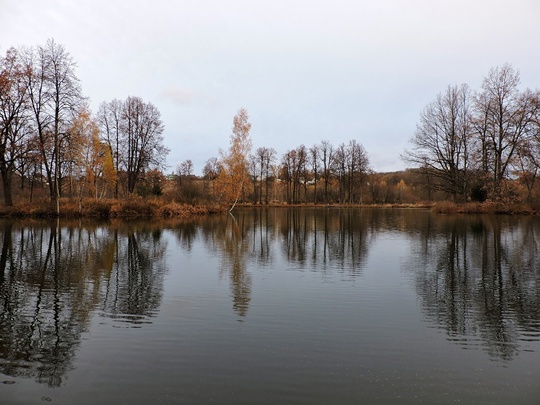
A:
(6, 183)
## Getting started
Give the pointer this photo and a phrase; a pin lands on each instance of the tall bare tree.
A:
(55, 97)
(505, 115)
(357, 170)
(110, 121)
(528, 154)
(142, 139)
(264, 158)
(442, 142)
(288, 164)
(326, 155)
(301, 172)
(339, 168)
(314, 158)
(14, 120)
(133, 131)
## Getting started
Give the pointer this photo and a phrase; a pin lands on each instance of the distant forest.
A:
(468, 146)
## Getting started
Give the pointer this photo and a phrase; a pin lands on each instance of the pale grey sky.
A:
(305, 70)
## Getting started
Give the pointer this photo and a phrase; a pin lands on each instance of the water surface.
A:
(305, 306)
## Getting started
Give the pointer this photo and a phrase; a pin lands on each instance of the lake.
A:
(272, 306)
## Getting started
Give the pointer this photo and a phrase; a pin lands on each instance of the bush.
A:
(134, 207)
(97, 208)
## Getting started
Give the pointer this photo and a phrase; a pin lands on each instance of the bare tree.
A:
(338, 167)
(269, 158)
(259, 164)
(357, 167)
(14, 120)
(264, 158)
(528, 153)
(314, 160)
(211, 169)
(110, 121)
(326, 155)
(302, 172)
(142, 139)
(55, 97)
(186, 168)
(506, 113)
(288, 164)
(442, 142)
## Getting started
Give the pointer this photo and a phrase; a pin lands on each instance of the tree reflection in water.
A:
(134, 286)
(230, 235)
(53, 277)
(307, 239)
(478, 279)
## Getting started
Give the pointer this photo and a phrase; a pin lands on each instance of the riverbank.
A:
(488, 207)
(136, 207)
(440, 207)
(107, 208)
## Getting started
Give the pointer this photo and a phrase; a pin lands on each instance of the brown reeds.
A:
(133, 207)
(488, 207)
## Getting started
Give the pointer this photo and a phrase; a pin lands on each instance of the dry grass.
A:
(174, 209)
(137, 207)
(133, 207)
(488, 207)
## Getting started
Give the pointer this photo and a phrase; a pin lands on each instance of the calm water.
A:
(300, 306)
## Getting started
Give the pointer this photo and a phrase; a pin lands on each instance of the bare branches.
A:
(442, 141)
(486, 135)
(134, 132)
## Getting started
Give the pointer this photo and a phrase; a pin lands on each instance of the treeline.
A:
(50, 140)
(321, 173)
(481, 145)
(468, 146)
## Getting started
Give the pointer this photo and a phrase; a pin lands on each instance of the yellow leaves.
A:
(109, 172)
(91, 155)
(231, 179)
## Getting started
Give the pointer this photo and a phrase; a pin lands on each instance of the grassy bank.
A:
(107, 208)
(137, 207)
(440, 207)
(446, 207)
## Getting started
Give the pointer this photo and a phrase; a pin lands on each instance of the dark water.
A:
(300, 306)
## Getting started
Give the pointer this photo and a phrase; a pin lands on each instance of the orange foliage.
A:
(234, 163)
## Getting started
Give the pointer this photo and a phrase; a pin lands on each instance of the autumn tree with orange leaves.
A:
(234, 163)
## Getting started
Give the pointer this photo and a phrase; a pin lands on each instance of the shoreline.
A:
(156, 208)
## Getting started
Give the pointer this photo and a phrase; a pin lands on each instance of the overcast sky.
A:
(305, 70)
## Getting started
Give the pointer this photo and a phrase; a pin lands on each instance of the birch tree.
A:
(234, 162)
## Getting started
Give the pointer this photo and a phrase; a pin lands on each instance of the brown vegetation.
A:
(488, 207)
(479, 149)
(135, 207)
